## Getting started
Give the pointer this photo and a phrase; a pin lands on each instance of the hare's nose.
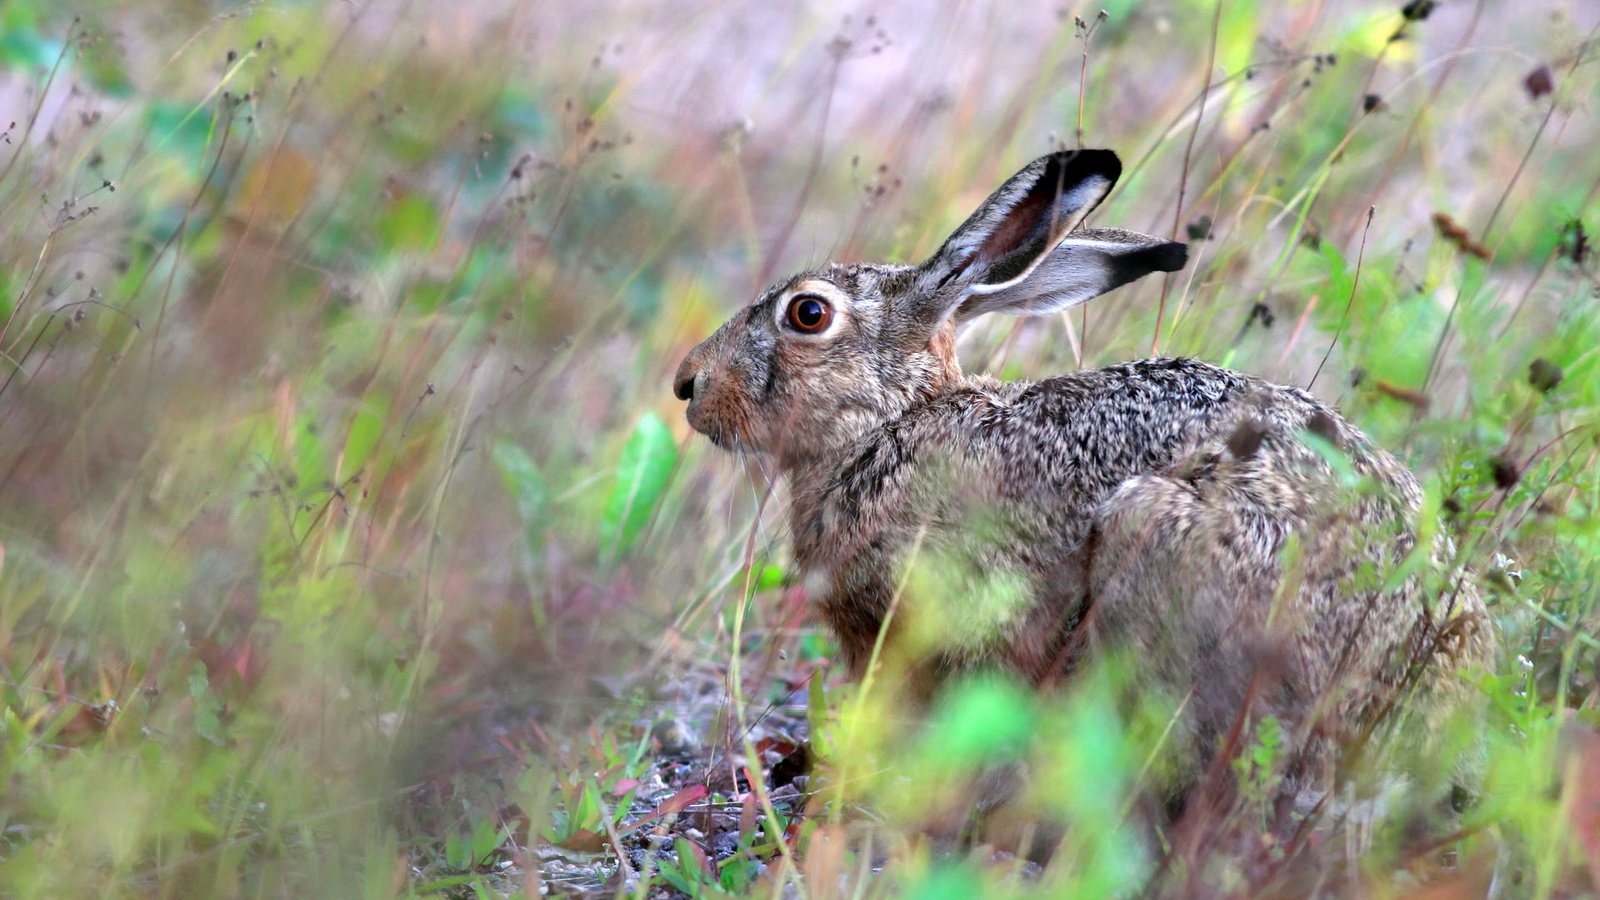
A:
(683, 382)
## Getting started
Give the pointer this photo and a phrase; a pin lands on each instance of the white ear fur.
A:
(1084, 265)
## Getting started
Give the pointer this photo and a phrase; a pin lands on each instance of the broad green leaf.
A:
(409, 223)
(587, 815)
(455, 850)
(946, 882)
(524, 115)
(817, 715)
(983, 719)
(769, 577)
(642, 476)
(105, 70)
(25, 48)
(207, 708)
(428, 295)
(366, 426)
(526, 486)
(1237, 35)
(310, 453)
(180, 130)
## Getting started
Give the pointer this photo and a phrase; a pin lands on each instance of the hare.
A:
(1254, 551)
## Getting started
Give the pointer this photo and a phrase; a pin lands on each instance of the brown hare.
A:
(1252, 549)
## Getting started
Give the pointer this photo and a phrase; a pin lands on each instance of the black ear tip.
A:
(1140, 260)
(1076, 165)
(1168, 257)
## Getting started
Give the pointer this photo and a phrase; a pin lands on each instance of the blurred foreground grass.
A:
(351, 543)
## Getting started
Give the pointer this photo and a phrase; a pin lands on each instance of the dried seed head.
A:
(1417, 10)
(1544, 375)
(1505, 472)
(1539, 82)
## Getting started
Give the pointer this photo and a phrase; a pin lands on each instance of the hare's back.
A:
(1092, 430)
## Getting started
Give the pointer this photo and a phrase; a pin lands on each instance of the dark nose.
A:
(683, 382)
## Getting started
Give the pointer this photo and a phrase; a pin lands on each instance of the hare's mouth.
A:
(712, 431)
(726, 439)
(715, 427)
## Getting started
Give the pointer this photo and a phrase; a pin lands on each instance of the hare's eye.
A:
(809, 313)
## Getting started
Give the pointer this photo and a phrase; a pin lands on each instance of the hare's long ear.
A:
(1087, 263)
(1018, 254)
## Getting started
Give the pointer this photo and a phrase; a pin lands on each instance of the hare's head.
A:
(822, 358)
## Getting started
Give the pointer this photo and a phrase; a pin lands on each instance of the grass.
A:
(352, 543)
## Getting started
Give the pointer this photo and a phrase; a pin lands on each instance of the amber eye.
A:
(809, 313)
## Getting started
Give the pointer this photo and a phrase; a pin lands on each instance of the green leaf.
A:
(946, 882)
(428, 295)
(587, 814)
(1237, 34)
(983, 719)
(180, 131)
(105, 69)
(674, 876)
(822, 731)
(1269, 741)
(207, 708)
(527, 487)
(409, 223)
(648, 460)
(769, 577)
(455, 850)
(736, 874)
(310, 453)
(365, 428)
(25, 48)
(485, 839)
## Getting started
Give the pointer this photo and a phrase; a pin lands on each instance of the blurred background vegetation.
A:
(352, 543)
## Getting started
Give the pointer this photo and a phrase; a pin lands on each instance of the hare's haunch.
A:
(1240, 537)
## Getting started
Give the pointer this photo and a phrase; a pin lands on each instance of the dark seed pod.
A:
(1539, 82)
(1544, 375)
(1417, 10)
(1505, 472)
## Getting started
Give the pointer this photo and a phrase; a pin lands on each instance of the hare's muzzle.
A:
(683, 382)
(691, 384)
(715, 394)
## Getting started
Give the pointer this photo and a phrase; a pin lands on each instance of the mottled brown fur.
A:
(1168, 507)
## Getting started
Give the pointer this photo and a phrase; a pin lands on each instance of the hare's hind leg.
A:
(1186, 574)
